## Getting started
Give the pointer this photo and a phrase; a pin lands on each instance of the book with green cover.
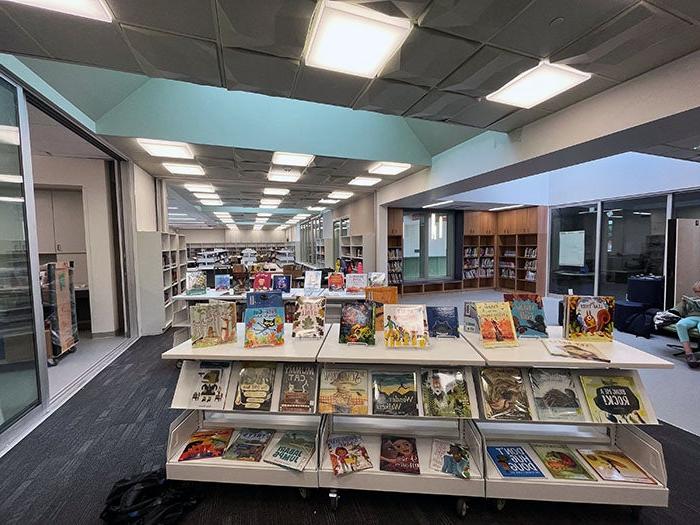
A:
(445, 392)
(561, 462)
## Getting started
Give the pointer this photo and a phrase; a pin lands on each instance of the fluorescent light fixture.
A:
(644, 213)
(264, 215)
(206, 195)
(172, 207)
(228, 221)
(328, 201)
(12, 179)
(303, 215)
(364, 181)
(222, 213)
(534, 86)
(271, 201)
(232, 226)
(11, 199)
(511, 207)
(315, 208)
(93, 9)
(211, 202)
(183, 169)
(293, 221)
(261, 219)
(388, 168)
(268, 206)
(258, 227)
(353, 39)
(283, 175)
(180, 219)
(166, 148)
(435, 204)
(200, 188)
(9, 135)
(275, 191)
(340, 195)
(282, 158)
(170, 214)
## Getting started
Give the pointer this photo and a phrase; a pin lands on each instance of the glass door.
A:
(412, 243)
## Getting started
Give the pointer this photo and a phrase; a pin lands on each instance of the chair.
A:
(381, 295)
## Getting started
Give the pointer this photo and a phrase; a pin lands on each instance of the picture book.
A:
(207, 383)
(528, 314)
(399, 454)
(555, 395)
(503, 394)
(357, 323)
(471, 318)
(195, 283)
(445, 392)
(336, 282)
(443, 321)
(589, 318)
(263, 327)
(561, 462)
(262, 281)
(255, 384)
(405, 325)
(348, 454)
(222, 283)
(298, 391)
(309, 317)
(514, 462)
(293, 450)
(615, 399)
(612, 465)
(263, 299)
(575, 350)
(206, 444)
(213, 323)
(343, 391)
(283, 283)
(239, 283)
(496, 325)
(355, 282)
(249, 444)
(394, 393)
(312, 280)
(376, 279)
(450, 457)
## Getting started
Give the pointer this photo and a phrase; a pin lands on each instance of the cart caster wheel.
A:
(462, 507)
(51, 362)
(72, 349)
(335, 499)
(303, 493)
(178, 364)
(499, 504)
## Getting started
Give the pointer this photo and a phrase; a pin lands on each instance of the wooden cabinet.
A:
(506, 222)
(395, 221)
(487, 223)
(471, 223)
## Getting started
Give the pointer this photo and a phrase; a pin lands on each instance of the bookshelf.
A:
(394, 259)
(235, 248)
(358, 248)
(478, 261)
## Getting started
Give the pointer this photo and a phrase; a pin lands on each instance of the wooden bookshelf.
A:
(394, 257)
(478, 261)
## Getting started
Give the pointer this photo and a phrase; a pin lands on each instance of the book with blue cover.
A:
(514, 462)
(283, 283)
(222, 283)
(265, 299)
(263, 326)
(528, 314)
(443, 321)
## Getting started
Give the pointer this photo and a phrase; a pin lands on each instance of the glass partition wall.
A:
(572, 249)
(428, 245)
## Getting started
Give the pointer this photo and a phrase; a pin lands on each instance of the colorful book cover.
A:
(405, 325)
(309, 317)
(528, 314)
(471, 318)
(355, 282)
(555, 395)
(561, 462)
(394, 393)
(376, 279)
(503, 394)
(262, 281)
(343, 391)
(336, 282)
(222, 283)
(293, 450)
(206, 444)
(249, 444)
(255, 384)
(211, 383)
(312, 280)
(496, 325)
(263, 327)
(283, 283)
(612, 465)
(264, 299)
(445, 393)
(240, 283)
(450, 458)
(348, 454)
(443, 321)
(357, 323)
(399, 454)
(589, 318)
(298, 392)
(213, 323)
(575, 350)
(614, 399)
(195, 283)
(514, 462)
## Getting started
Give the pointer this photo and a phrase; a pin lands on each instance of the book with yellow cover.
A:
(615, 399)
(589, 318)
(496, 325)
(612, 465)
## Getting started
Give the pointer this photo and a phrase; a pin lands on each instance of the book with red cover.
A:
(262, 281)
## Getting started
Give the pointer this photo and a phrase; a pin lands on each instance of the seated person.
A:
(689, 310)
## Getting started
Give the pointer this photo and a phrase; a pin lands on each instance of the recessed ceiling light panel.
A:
(268, 206)
(12, 179)
(206, 195)
(364, 181)
(436, 204)
(275, 191)
(315, 208)
(9, 135)
(328, 201)
(388, 168)
(282, 158)
(264, 215)
(93, 9)
(271, 201)
(183, 169)
(340, 195)
(283, 174)
(211, 202)
(166, 148)
(200, 188)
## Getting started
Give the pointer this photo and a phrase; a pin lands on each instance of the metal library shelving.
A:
(235, 248)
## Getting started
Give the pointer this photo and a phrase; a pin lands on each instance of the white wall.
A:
(227, 235)
(90, 175)
(145, 193)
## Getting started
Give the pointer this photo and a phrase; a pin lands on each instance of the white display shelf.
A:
(441, 352)
(531, 352)
(228, 296)
(295, 349)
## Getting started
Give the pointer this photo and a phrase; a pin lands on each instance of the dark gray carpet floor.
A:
(117, 426)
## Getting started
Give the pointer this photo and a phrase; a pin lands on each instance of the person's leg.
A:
(682, 328)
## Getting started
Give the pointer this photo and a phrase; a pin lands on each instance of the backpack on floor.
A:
(640, 324)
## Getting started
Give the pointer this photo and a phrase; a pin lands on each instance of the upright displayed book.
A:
(262, 281)
(195, 282)
(405, 326)
(348, 454)
(283, 283)
(576, 350)
(298, 391)
(514, 462)
(203, 384)
(399, 454)
(336, 282)
(355, 282)
(503, 394)
(613, 465)
(264, 326)
(528, 314)
(264, 299)
(255, 385)
(394, 393)
(213, 323)
(555, 394)
(471, 318)
(561, 462)
(312, 281)
(293, 450)
(222, 283)
(450, 457)
(309, 317)
(249, 444)
(496, 325)
(343, 391)
(443, 321)
(357, 323)
(445, 393)
(589, 318)
(376, 279)
(206, 444)
(615, 399)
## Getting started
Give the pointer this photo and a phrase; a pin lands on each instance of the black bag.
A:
(640, 324)
(147, 499)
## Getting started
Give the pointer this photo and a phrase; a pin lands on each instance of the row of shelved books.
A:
(530, 276)
(395, 278)
(508, 253)
(395, 266)
(530, 253)
(507, 273)
(473, 263)
(395, 253)
(478, 273)
(506, 264)
(530, 265)
(479, 251)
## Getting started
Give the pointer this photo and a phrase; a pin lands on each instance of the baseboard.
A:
(103, 335)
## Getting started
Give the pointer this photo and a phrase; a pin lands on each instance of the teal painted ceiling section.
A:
(440, 136)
